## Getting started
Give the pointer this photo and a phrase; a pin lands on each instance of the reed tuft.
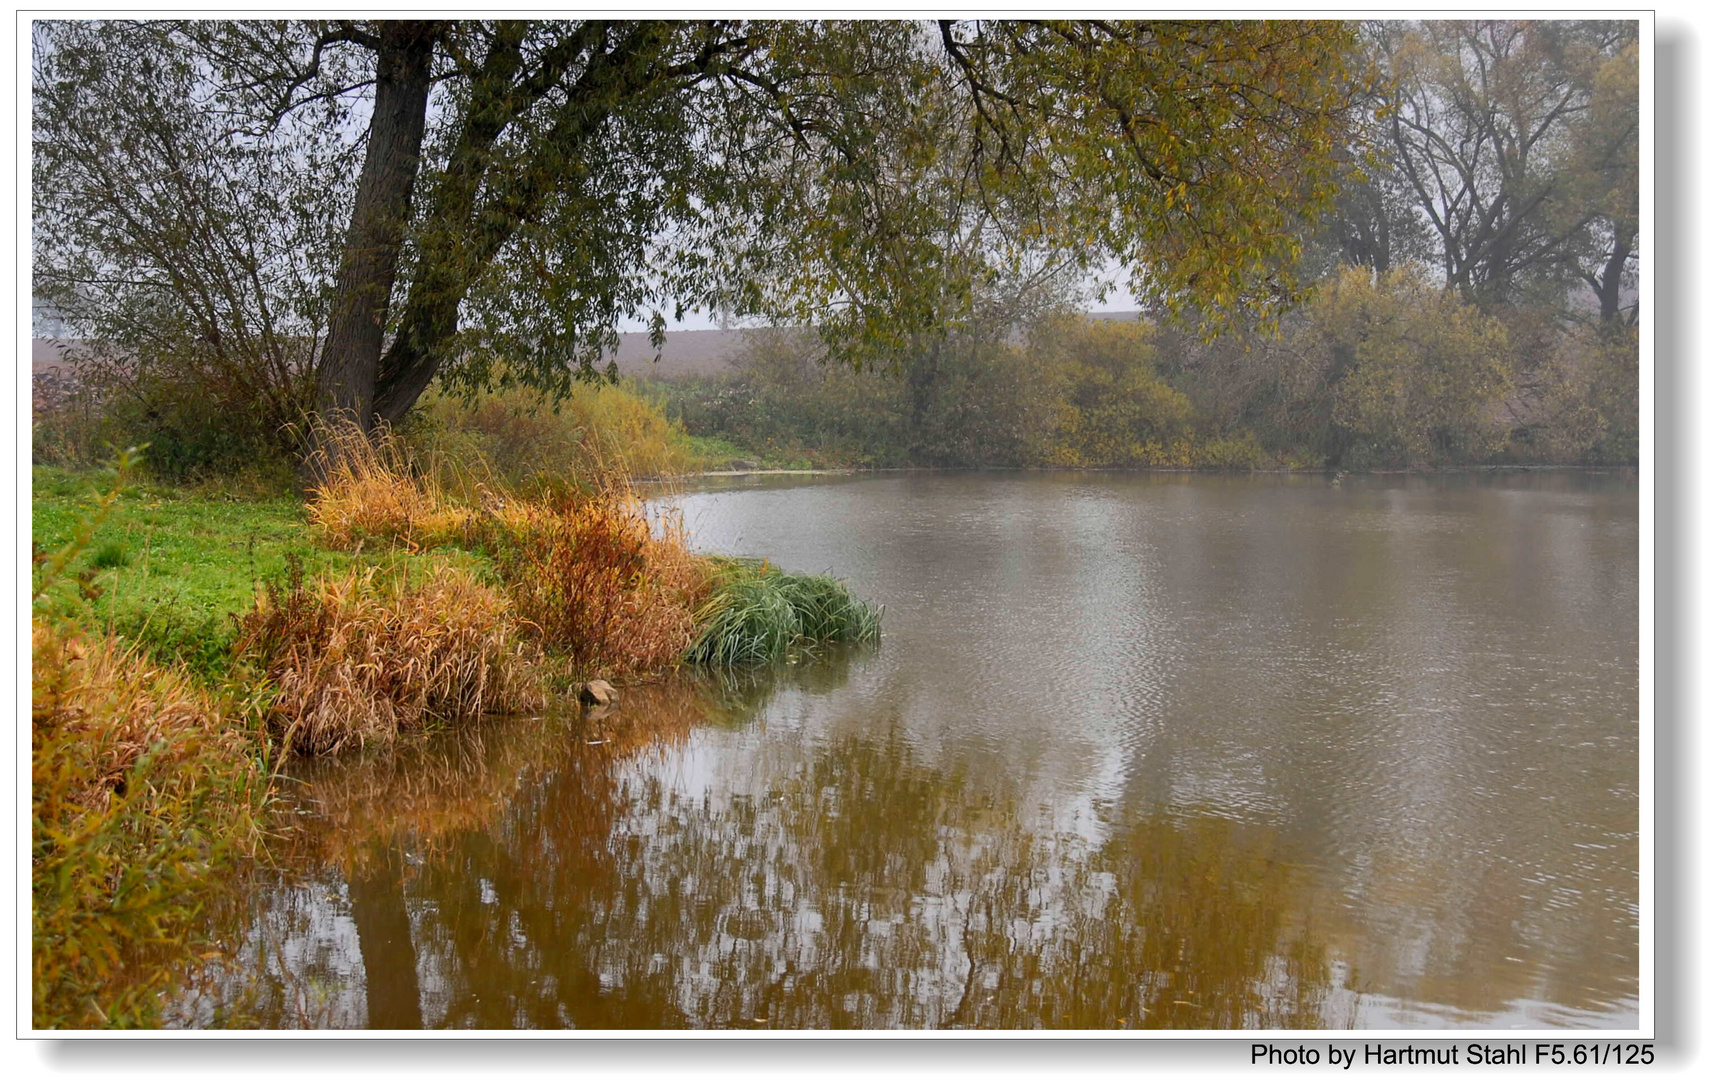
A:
(375, 487)
(360, 658)
(758, 614)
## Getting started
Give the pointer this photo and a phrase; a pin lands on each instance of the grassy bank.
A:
(147, 779)
(185, 637)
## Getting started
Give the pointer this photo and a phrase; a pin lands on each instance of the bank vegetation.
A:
(187, 638)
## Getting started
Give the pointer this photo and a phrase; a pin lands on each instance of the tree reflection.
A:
(562, 877)
(863, 889)
(385, 941)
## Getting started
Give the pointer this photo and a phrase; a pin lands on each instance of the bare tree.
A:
(1498, 126)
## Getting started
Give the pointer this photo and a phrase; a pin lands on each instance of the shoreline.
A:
(860, 470)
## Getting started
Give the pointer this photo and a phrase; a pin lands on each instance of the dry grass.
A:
(140, 790)
(594, 582)
(375, 488)
(588, 577)
(362, 657)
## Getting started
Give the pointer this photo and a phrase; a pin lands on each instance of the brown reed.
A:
(362, 657)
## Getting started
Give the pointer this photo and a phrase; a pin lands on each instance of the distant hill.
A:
(686, 353)
(694, 353)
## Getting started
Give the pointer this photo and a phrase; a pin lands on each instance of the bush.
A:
(199, 421)
(593, 582)
(1114, 410)
(785, 406)
(1581, 401)
(140, 790)
(1420, 376)
(1235, 451)
(526, 443)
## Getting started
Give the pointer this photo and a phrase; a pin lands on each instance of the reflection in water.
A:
(378, 896)
(1135, 752)
(860, 888)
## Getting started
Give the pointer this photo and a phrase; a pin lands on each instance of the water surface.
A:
(1136, 751)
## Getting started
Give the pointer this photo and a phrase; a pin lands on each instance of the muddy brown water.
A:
(1135, 752)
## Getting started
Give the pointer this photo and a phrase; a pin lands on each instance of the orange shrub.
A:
(590, 578)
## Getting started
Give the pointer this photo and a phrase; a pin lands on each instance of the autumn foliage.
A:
(361, 658)
(141, 787)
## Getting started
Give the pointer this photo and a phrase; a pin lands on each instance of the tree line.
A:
(270, 223)
(1471, 299)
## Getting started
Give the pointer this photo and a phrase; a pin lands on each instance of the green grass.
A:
(170, 565)
(714, 452)
(758, 614)
(827, 611)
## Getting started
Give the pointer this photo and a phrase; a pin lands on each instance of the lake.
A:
(1136, 751)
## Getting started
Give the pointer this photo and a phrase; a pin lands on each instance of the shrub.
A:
(1580, 403)
(140, 790)
(1235, 451)
(200, 421)
(1113, 408)
(357, 659)
(526, 443)
(1424, 374)
(593, 582)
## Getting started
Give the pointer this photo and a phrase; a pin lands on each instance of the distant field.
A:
(686, 353)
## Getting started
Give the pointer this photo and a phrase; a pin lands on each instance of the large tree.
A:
(1518, 141)
(526, 186)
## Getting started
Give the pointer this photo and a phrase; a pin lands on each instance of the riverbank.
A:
(187, 638)
(857, 470)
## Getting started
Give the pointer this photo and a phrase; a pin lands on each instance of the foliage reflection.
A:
(579, 878)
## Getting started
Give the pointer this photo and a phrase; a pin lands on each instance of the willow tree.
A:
(1518, 139)
(527, 186)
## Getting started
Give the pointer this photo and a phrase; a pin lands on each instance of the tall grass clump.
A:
(585, 574)
(592, 580)
(827, 611)
(140, 791)
(375, 487)
(362, 657)
(757, 614)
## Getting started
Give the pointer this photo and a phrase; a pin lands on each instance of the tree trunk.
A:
(346, 378)
(357, 377)
(470, 237)
(1609, 287)
(923, 364)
